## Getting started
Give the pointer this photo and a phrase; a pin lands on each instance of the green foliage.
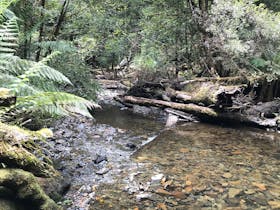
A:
(4, 4)
(31, 81)
(245, 35)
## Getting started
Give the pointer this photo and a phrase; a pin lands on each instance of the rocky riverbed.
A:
(122, 160)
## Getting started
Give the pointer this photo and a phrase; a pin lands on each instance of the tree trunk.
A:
(190, 108)
(41, 30)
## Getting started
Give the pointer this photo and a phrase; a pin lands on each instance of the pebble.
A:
(232, 192)
(142, 196)
(227, 175)
(103, 171)
(157, 177)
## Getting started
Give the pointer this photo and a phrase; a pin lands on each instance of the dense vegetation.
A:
(50, 51)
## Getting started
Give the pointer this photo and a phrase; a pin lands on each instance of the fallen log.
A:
(247, 117)
(190, 108)
(207, 94)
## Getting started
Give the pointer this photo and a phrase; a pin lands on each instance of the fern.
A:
(62, 46)
(58, 103)
(9, 34)
(4, 4)
(32, 81)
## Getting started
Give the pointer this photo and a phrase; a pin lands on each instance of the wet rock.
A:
(142, 196)
(227, 175)
(232, 192)
(103, 171)
(131, 146)
(274, 204)
(100, 158)
(157, 177)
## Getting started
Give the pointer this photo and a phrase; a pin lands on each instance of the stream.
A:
(122, 160)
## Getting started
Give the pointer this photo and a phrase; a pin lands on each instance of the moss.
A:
(26, 188)
(15, 134)
(18, 157)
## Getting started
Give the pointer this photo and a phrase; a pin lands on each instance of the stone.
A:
(227, 175)
(157, 177)
(232, 192)
(142, 196)
(274, 204)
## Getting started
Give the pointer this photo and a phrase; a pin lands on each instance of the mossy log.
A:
(13, 152)
(207, 94)
(18, 157)
(6, 97)
(24, 188)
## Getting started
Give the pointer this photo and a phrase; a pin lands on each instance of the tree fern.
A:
(4, 4)
(8, 34)
(32, 81)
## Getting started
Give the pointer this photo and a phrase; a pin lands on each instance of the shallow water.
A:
(192, 166)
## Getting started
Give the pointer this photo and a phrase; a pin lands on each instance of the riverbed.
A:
(122, 160)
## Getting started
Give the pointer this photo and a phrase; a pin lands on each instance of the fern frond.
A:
(56, 102)
(61, 46)
(26, 69)
(4, 4)
(9, 33)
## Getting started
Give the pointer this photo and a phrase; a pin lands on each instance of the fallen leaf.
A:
(163, 192)
(162, 206)
(259, 185)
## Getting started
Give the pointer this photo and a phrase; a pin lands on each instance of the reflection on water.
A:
(199, 166)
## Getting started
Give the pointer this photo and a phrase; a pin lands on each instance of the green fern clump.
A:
(35, 83)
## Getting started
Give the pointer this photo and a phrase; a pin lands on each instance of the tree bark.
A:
(41, 30)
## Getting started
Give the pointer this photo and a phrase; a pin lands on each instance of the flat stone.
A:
(227, 175)
(274, 204)
(232, 192)
(157, 177)
(249, 192)
(142, 196)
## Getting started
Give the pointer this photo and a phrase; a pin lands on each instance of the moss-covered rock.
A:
(26, 189)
